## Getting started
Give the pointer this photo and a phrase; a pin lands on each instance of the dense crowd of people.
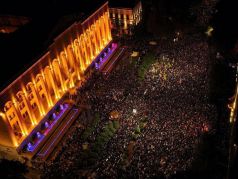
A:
(173, 98)
(178, 96)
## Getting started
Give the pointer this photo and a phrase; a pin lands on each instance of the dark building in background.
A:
(124, 16)
(9, 24)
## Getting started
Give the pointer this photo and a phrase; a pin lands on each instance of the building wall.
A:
(124, 19)
(27, 100)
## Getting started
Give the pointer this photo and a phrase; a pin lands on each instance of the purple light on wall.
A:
(56, 117)
(55, 139)
(38, 135)
(29, 146)
(96, 66)
(105, 55)
(61, 107)
(46, 124)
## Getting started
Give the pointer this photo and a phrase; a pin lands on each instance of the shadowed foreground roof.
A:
(123, 3)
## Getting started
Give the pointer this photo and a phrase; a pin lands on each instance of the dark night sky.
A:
(225, 23)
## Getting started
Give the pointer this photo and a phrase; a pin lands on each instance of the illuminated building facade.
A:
(29, 98)
(123, 18)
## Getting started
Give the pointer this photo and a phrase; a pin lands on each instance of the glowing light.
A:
(46, 124)
(233, 107)
(134, 54)
(33, 123)
(134, 111)
(61, 107)
(38, 135)
(26, 132)
(2, 114)
(54, 116)
(29, 146)
(79, 76)
(42, 114)
(209, 31)
(106, 56)
(125, 26)
(153, 43)
(55, 139)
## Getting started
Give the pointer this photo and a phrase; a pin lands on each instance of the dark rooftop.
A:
(19, 50)
(9, 24)
(123, 3)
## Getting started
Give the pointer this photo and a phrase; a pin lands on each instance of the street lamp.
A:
(233, 114)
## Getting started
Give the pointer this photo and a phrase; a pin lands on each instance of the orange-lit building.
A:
(30, 97)
(124, 16)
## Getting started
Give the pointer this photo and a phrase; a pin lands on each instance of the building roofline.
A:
(44, 54)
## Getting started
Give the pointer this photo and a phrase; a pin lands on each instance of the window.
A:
(25, 115)
(40, 87)
(20, 97)
(43, 96)
(31, 96)
(15, 127)
(22, 105)
(11, 116)
(33, 105)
